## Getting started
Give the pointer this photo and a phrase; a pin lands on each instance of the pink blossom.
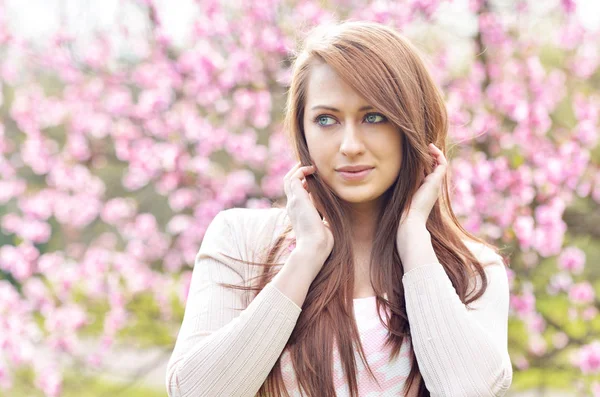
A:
(560, 340)
(78, 210)
(38, 205)
(523, 305)
(37, 293)
(9, 296)
(587, 133)
(572, 259)
(589, 313)
(559, 282)
(50, 262)
(549, 238)
(18, 261)
(595, 387)
(582, 293)
(10, 189)
(178, 223)
(524, 230)
(536, 323)
(117, 210)
(237, 187)
(258, 203)
(568, 5)
(66, 318)
(6, 381)
(118, 101)
(50, 382)
(35, 231)
(537, 345)
(182, 198)
(114, 321)
(521, 363)
(78, 147)
(38, 153)
(173, 261)
(186, 279)
(588, 358)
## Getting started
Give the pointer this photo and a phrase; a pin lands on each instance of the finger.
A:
(438, 154)
(441, 159)
(302, 172)
(292, 170)
(296, 188)
(437, 176)
(296, 172)
(299, 175)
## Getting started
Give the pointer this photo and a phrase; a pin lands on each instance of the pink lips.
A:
(355, 176)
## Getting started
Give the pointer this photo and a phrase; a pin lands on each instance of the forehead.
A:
(326, 87)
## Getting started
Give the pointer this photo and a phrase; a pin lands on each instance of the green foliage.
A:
(543, 377)
(148, 328)
(96, 311)
(80, 385)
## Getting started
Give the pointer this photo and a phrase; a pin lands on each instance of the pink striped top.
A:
(390, 375)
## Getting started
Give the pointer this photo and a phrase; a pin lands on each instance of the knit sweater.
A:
(221, 351)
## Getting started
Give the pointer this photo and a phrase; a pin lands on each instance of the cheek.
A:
(311, 137)
(391, 156)
(321, 149)
(393, 149)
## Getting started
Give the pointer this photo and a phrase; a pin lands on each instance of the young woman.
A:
(364, 284)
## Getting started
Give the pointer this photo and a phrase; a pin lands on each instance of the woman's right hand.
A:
(312, 233)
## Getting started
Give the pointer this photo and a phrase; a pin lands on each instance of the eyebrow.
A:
(337, 110)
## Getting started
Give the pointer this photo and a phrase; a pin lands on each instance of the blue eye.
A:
(371, 118)
(322, 117)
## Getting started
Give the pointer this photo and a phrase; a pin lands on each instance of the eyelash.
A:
(316, 119)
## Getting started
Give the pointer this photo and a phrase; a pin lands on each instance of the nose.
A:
(352, 142)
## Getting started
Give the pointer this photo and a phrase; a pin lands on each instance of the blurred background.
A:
(127, 125)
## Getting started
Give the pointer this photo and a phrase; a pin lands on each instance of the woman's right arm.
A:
(225, 352)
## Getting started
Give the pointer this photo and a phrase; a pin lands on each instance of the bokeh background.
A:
(127, 125)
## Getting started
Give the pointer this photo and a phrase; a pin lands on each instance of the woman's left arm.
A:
(461, 352)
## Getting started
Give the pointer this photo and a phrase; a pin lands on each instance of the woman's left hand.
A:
(427, 194)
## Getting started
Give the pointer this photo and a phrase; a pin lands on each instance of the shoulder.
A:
(253, 222)
(485, 254)
(253, 215)
(239, 234)
(253, 229)
(495, 270)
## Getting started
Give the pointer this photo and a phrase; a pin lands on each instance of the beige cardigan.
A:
(221, 351)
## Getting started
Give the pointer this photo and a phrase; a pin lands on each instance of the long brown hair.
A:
(386, 69)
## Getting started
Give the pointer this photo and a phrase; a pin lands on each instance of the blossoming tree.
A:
(116, 154)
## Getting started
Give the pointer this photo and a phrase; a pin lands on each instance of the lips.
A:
(354, 168)
(355, 176)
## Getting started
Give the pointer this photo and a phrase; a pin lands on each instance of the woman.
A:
(370, 286)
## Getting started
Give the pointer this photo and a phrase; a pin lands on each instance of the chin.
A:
(356, 197)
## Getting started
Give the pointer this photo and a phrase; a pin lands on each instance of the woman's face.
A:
(342, 129)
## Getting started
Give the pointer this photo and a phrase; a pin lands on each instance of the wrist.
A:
(411, 231)
(309, 261)
(412, 242)
(310, 249)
